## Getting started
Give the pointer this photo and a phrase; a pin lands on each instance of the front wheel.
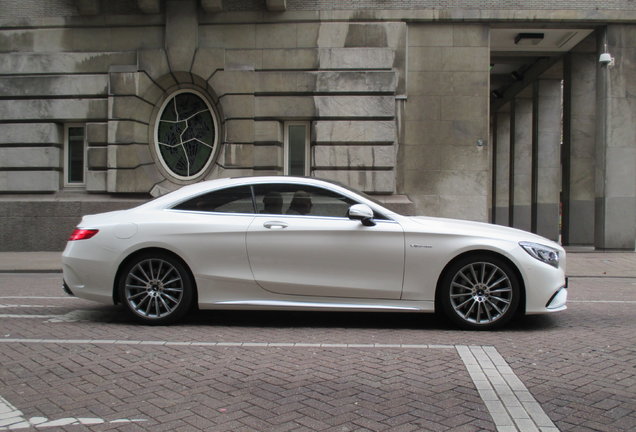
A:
(480, 292)
(156, 288)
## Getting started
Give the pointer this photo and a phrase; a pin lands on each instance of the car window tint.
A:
(294, 199)
(231, 200)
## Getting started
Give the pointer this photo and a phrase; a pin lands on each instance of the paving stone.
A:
(319, 371)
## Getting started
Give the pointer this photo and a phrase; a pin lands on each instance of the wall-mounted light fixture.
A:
(606, 59)
(529, 38)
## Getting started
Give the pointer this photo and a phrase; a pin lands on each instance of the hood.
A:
(479, 229)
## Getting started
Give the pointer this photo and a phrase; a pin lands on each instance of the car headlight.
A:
(543, 253)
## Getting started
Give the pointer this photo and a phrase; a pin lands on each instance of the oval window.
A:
(186, 134)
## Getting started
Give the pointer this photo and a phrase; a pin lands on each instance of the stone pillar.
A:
(181, 36)
(443, 167)
(522, 152)
(579, 124)
(615, 220)
(547, 178)
(502, 166)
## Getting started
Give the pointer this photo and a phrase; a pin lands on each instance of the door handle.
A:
(275, 225)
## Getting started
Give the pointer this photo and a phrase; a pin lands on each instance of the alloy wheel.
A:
(481, 293)
(154, 288)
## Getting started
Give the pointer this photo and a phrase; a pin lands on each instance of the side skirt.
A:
(379, 306)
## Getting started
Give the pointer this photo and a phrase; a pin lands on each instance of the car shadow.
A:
(318, 319)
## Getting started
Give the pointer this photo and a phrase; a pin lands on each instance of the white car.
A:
(307, 244)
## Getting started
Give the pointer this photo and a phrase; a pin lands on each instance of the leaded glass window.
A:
(186, 134)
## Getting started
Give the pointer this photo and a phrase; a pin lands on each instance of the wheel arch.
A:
(135, 254)
(481, 252)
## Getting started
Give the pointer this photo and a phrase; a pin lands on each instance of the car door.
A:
(209, 232)
(302, 243)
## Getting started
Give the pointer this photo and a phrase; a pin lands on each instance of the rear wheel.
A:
(156, 288)
(480, 292)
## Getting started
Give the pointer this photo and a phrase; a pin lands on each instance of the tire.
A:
(480, 292)
(156, 288)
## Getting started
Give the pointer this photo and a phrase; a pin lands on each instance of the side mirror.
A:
(363, 213)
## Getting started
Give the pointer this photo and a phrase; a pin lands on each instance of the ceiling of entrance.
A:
(515, 51)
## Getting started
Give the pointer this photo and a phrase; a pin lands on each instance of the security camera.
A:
(606, 59)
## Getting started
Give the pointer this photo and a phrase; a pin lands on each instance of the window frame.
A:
(66, 166)
(201, 195)
(378, 216)
(287, 125)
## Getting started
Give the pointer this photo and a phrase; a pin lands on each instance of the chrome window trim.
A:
(313, 182)
(275, 215)
(208, 213)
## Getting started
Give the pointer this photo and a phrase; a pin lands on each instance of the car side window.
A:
(293, 199)
(230, 200)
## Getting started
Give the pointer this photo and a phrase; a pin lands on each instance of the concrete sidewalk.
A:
(579, 264)
(27, 262)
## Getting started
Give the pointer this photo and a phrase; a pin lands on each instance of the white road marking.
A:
(601, 301)
(73, 316)
(12, 418)
(27, 316)
(220, 344)
(511, 406)
(35, 297)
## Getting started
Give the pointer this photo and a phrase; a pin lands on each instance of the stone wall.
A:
(113, 74)
(49, 8)
(46, 224)
(395, 93)
(342, 77)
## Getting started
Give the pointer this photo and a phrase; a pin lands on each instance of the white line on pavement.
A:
(73, 316)
(222, 344)
(12, 418)
(511, 406)
(601, 301)
(35, 297)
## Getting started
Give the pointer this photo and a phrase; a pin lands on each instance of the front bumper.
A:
(558, 300)
(66, 289)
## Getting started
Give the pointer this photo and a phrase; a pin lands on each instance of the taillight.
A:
(82, 234)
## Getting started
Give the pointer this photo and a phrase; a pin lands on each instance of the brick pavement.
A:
(579, 365)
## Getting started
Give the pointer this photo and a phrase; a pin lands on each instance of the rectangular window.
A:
(75, 155)
(297, 149)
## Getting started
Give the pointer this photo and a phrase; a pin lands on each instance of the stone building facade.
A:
(105, 104)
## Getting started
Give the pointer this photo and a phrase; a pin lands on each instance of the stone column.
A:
(502, 171)
(443, 167)
(615, 220)
(522, 164)
(579, 138)
(181, 36)
(547, 178)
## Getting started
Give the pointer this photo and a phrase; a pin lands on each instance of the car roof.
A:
(200, 187)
